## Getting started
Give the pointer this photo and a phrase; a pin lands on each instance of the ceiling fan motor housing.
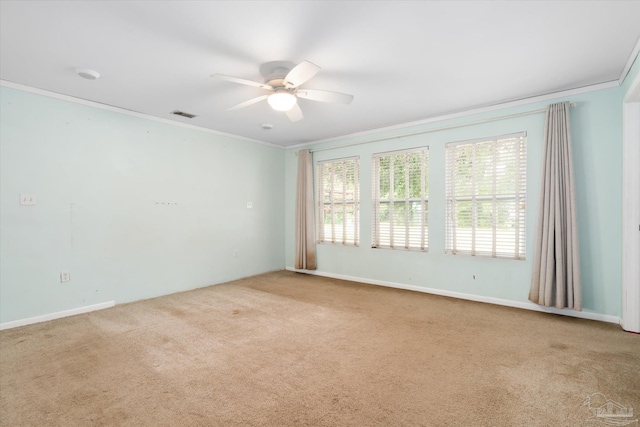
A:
(276, 70)
(276, 77)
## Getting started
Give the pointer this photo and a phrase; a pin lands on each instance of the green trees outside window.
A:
(400, 199)
(338, 201)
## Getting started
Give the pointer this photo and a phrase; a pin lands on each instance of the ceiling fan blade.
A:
(300, 74)
(247, 103)
(242, 81)
(295, 114)
(325, 96)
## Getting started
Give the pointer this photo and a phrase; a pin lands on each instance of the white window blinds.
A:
(338, 199)
(486, 197)
(400, 199)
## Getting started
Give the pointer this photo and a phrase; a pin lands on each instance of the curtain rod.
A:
(404, 135)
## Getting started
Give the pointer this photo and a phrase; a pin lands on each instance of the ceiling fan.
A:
(284, 84)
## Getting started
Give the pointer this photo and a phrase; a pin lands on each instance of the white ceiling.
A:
(403, 61)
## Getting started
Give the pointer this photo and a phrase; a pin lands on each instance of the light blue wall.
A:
(101, 177)
(133, 208)
(597, 136)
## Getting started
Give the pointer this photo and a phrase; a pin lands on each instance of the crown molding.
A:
(112, 108)
(458, 114)
(464, 113)
(630, 61)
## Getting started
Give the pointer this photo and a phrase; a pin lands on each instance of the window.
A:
(400, 202)
(338, 201)
(486, 197)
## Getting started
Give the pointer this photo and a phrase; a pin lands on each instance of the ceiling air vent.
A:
(183, 114)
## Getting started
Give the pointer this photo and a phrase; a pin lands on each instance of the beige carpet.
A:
(285, 349)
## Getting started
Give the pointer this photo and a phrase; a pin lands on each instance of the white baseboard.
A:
(498, 301)
(56, 315)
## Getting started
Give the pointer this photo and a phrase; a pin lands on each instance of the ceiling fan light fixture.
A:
(282, 100)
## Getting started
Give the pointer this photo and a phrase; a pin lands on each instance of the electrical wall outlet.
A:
(27, 199)
(235, 253)
(65, 276)
(249, 205)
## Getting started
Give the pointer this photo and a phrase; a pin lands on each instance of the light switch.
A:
(249, 205)
(27, 199)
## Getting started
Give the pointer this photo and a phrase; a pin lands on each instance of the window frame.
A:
(321, 203)
(423, 200)
(519, 197)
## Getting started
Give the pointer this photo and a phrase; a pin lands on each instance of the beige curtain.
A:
(305, 229)
(556, 262)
